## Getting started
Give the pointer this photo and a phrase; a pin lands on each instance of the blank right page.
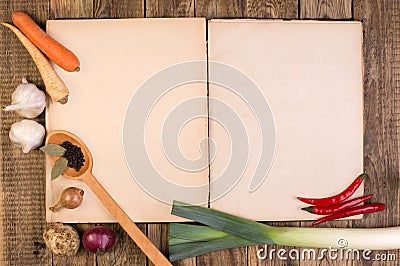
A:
(286, 97)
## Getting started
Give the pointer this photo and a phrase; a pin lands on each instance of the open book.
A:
(243, 120)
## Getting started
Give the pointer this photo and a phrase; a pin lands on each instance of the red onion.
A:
(98, 239)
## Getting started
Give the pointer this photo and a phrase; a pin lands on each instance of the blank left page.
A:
(117, 58)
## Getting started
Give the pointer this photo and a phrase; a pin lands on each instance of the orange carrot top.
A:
(55, 51)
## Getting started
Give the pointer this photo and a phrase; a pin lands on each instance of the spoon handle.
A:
(151, 251)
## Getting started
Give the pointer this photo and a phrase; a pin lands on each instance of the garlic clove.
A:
(26, 148)
(27, 100)
(14, 107)
(27, 134)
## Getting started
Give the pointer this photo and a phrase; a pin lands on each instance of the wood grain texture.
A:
(169, 8)
(158, 234)
(325, 9)
(70, 9)
(272, 9)
(230, 257)
(125, 251)
(22, 183)
(220, 8)
(118, 9)
(381, 21)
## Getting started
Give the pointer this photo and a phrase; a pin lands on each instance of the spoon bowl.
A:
(58, 137)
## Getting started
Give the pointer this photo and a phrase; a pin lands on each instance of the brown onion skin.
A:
(98, 239)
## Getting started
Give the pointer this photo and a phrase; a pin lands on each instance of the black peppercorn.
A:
(74, 155)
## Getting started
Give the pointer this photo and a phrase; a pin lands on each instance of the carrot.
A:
(55, 87)
(54, 50)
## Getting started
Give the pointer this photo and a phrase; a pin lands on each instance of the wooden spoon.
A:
(85, 174)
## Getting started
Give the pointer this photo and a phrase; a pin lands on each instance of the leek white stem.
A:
(351, 238)
(227, 231)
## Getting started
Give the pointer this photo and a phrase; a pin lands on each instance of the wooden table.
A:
(22, 212)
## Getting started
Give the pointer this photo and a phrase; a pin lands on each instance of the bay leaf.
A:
(59, 168)
(53, 150)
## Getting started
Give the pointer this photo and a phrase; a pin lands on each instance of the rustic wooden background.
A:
(22, 213)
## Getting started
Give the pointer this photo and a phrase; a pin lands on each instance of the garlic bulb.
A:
(27, 134)
(27, 100)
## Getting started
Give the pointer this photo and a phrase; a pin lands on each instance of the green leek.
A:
(227, 231)
(205, 239)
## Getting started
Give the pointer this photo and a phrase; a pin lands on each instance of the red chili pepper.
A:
(369, 208)
(334, 208)
(345, 194)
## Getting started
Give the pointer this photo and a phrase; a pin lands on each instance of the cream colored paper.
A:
(117, 57)
(311, 76)
(309, 72)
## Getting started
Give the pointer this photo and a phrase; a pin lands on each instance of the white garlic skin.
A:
(27, 100)
(27, 134)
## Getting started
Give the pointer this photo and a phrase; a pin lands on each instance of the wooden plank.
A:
(230, 257)
(125, 251)
(220, 8)
(22, 186)
(272, 9)
(82, 257)
(325, 9)
(158, 234)
(71, 9)
(118, 9)
(169, 8)
(381, 21)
